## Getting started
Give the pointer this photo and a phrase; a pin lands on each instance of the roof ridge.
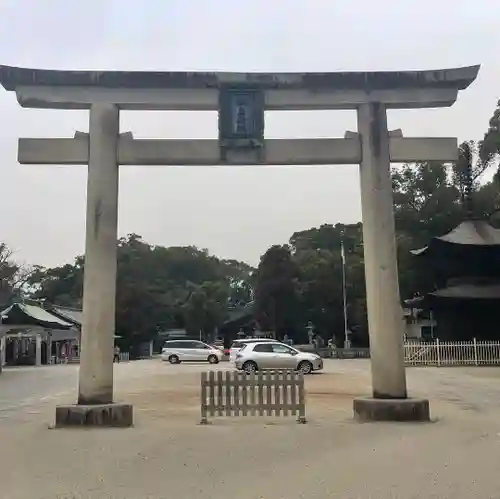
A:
(66, 308)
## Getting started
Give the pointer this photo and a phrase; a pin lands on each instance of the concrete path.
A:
(168, 454)
(23, 387)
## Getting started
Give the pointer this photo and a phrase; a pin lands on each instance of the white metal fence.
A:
(452, 353)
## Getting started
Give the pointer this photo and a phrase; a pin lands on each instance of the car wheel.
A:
(250, 367)
(305, 367)
(173, 359)
(213, 359)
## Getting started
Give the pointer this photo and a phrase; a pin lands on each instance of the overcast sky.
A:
(235, 212)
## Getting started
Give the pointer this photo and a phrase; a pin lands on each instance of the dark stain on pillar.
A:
(375, 128)
(97, 217)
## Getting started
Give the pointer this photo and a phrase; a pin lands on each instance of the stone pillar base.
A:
(370, 409)
(104, 415)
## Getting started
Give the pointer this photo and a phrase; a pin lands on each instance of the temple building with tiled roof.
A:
(465, 265)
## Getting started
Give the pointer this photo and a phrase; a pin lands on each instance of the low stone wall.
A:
(124, 357)
(337, 353)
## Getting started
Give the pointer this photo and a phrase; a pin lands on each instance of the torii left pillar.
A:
(95, 391)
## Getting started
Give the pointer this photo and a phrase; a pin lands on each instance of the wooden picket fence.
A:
(266, 393)
(452, 353)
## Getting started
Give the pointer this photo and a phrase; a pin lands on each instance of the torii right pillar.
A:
(385, 320)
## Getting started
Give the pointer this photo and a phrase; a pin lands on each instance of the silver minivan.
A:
(177, 351)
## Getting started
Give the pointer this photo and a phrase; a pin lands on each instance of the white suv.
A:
(258, 356)
(177, 351)
(239, 344)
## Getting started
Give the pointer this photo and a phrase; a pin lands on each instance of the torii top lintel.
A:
(64, 89)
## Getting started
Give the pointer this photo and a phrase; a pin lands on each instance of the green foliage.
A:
(8, 272)
(162, 288)
(489, 148)
(429, 201)
(206, 308)
(276, 290)
(157, 288)
(302, 283)
(14, 277)
(317, 253)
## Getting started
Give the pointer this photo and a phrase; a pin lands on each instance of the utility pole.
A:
(347, 342)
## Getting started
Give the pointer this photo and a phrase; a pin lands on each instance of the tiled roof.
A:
(37, 314)
(474, 233)
(469, 291)
(468, 233)
(73, 315)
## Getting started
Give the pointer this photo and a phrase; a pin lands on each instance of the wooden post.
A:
(204, 382)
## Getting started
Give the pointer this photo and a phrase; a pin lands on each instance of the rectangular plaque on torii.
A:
(241, 121)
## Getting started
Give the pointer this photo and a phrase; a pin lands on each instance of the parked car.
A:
(177, 351)
(238, 345)
(261, 355)
(218, 344)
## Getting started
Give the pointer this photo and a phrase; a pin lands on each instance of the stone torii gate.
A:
(240, 99)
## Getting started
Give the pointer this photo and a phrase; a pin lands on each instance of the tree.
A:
(187, 287)
(157, 287)
(317, 253)
(241, 292)
(206, 309)
(276, 296)
(14, 277)
(426, 202)
(489, 147)
(62, 285)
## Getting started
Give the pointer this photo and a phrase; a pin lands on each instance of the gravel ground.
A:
(168, 455)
